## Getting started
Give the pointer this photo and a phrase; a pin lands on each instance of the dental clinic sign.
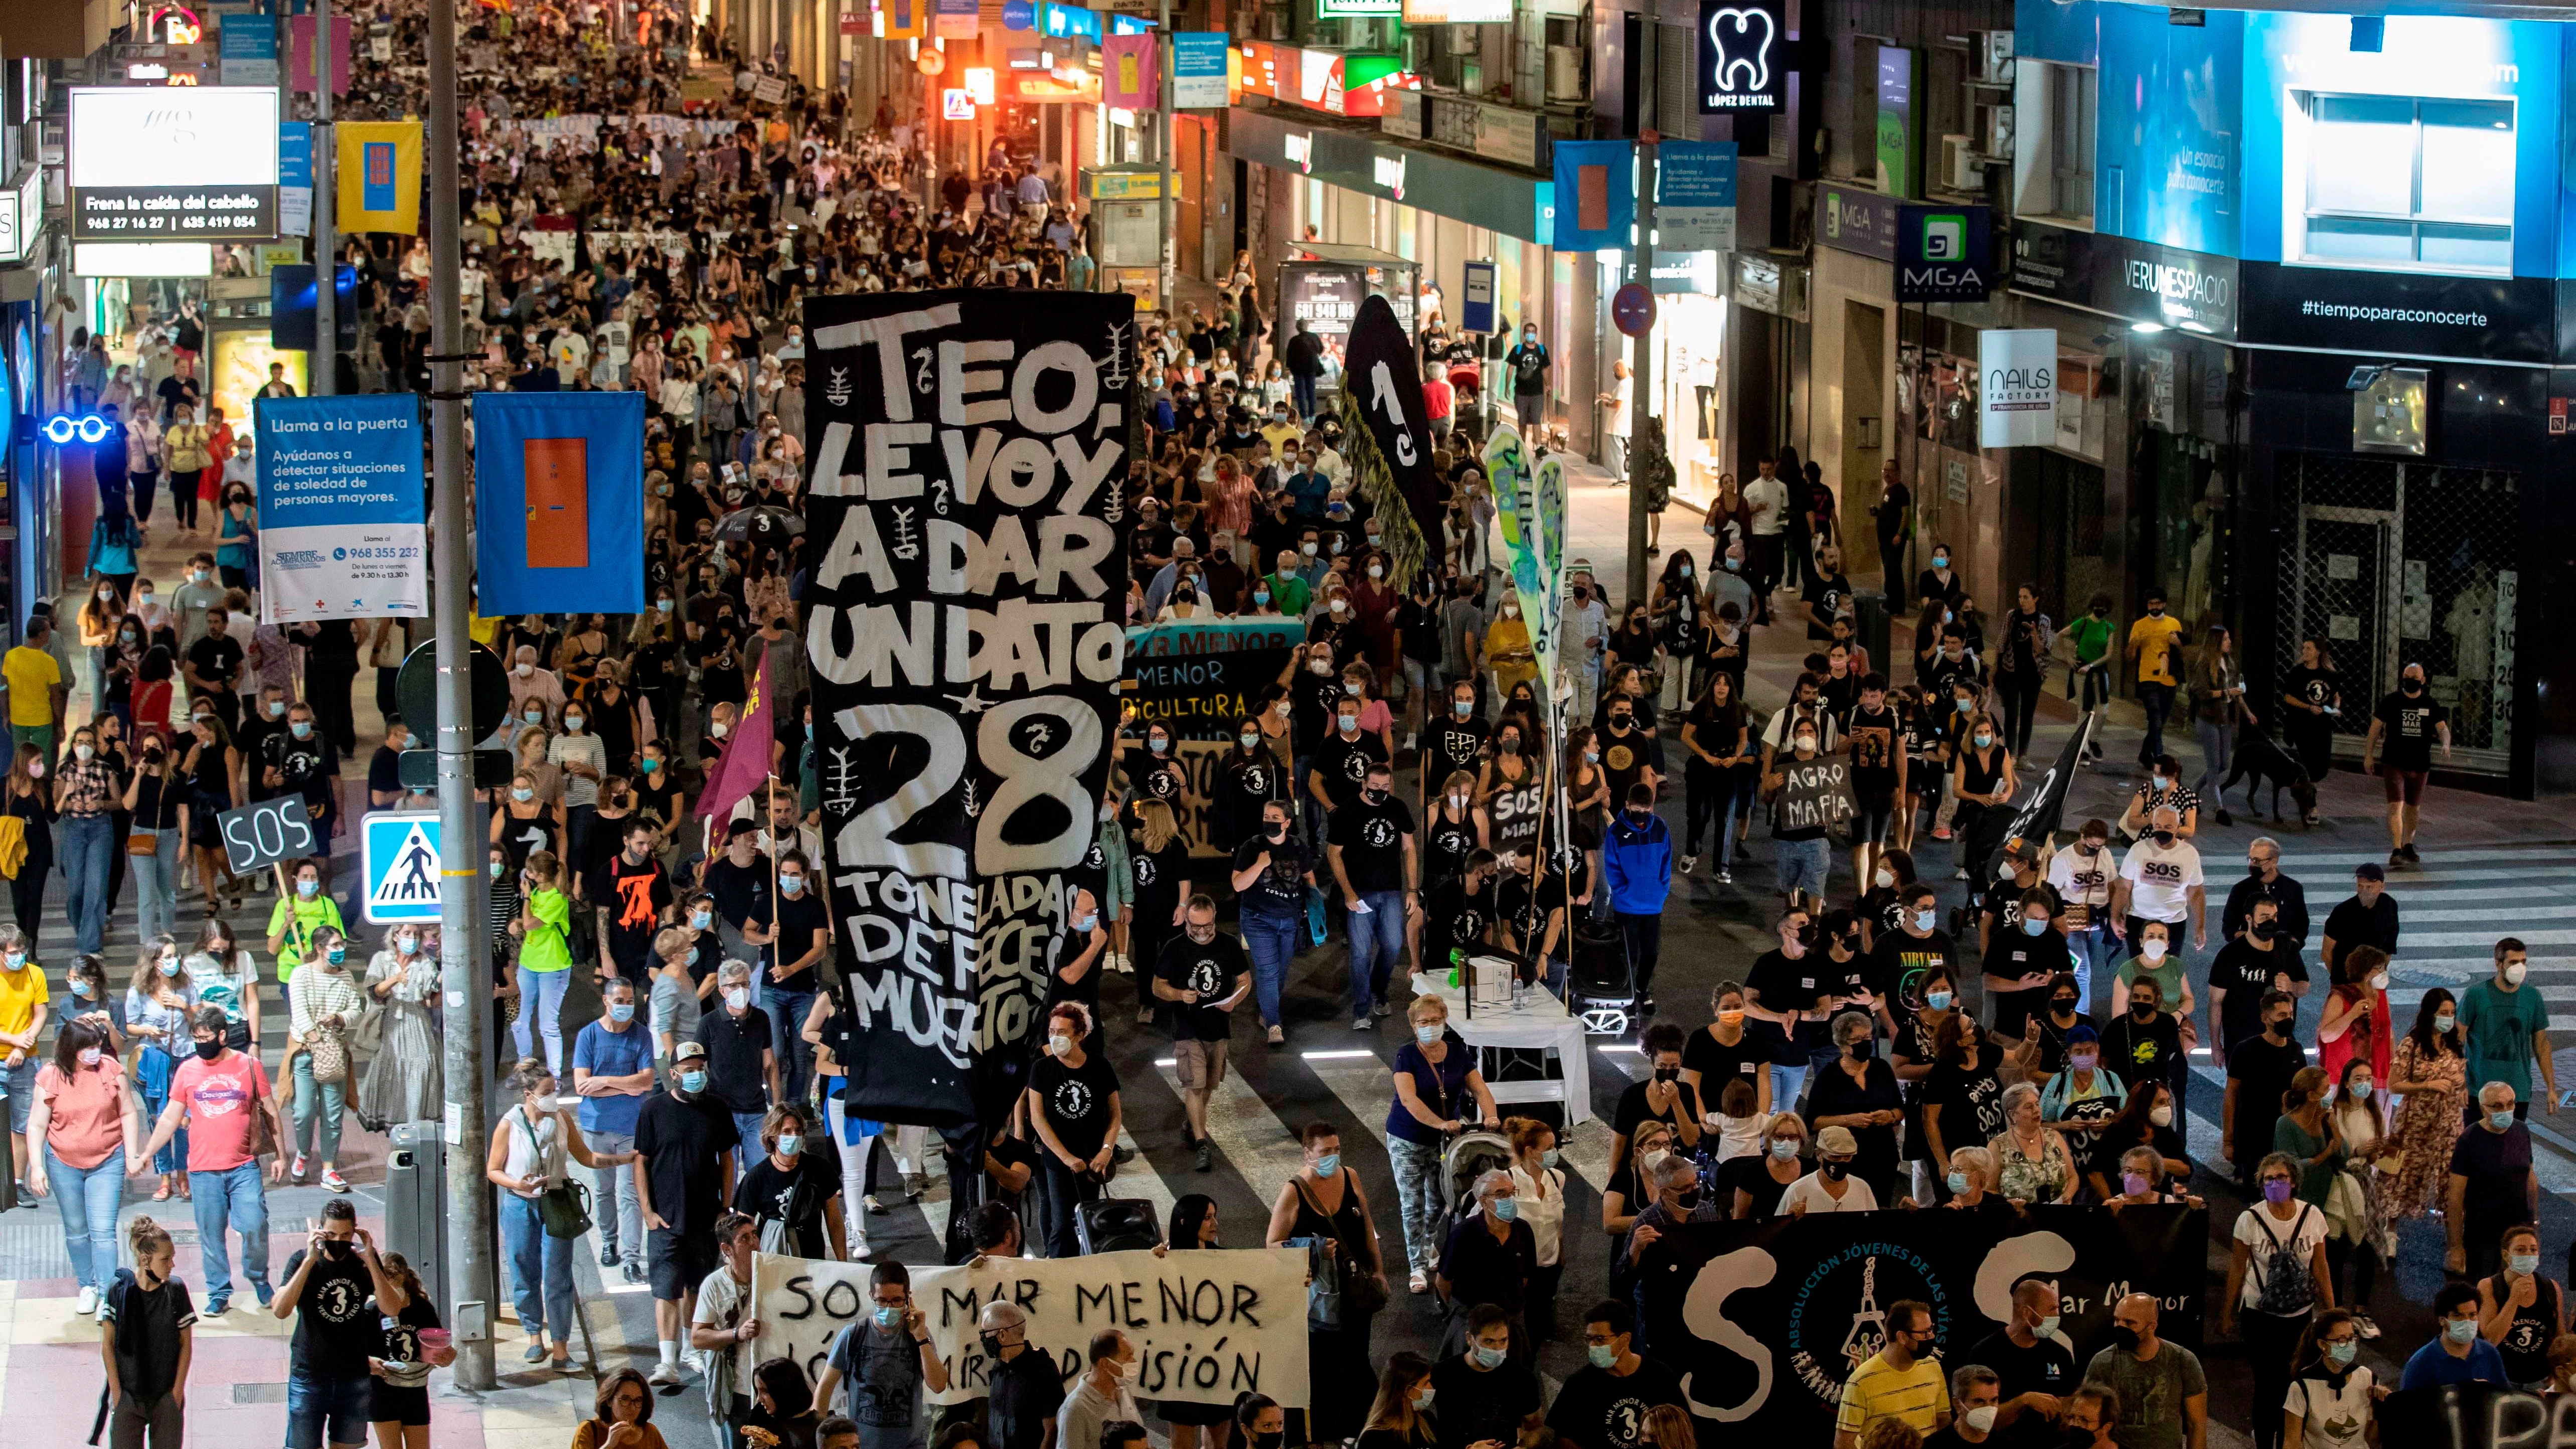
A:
(2016, 387)
(1741, 45)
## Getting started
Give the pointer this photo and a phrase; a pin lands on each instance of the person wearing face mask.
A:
(1104, 1395)
(2428, 1081)
(1637, 866)
(2458, 1353)
(1958, 1105)
(2330, 1394)
(1858, 1093)
(2354, 1025)
(91, 1133)
(1025, 1391)
(2024, 958)
(794, 1191)
(2521, 1312)
(2505, 1023)
(2144, 1044)
(2081, 876)
(219, 1097)
(532, 1150)
(2403, 731)
(2276, 1282)
(2161, 883)
(2033, 1163)
(2491, 1185)
(684, 1158)
(2155, 641)
(1610, 1401)
(741, 1047)
(323, 1004)
(1835, 1186)
(612, 1074)
(2030, 1368)
(1487, 1391)
(1489, 1258)
(2260, 1071)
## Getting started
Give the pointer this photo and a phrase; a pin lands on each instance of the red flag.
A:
(746, 756)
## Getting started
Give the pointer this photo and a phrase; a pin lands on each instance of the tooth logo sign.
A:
(1739, 39)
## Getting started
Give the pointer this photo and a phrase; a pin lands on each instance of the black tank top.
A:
(1979, 776)
(2526, 1340)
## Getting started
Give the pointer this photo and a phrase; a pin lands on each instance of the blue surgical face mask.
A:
(1958, 1184)
(887, 1316)
(1925, 920)
(1784, 1151)
(2459, 1330)
(2033, 926)
(693, 1080)
(701, 920)
(792, 884)
(1550, 1158)
(307, 887)
(2501, 1121)
(1427, 1034)
(621, 1011)
(2048, 1326)
(337, 954)
(1504, 1209)
(1602, 1355)
(1490, 1358)
(1937, 1000)
(1328, 1165)
(2340, 1354)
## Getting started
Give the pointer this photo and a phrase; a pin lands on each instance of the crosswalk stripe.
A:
(2537, 854)
(2408, 918)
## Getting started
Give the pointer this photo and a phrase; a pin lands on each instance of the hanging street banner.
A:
(1524, 530)
(343, 528)
(964, 635)
(379, 175)
(1206, 1325)
(1695, 196)
(1383, 379)
(559, 500)
(2017, 389)
(1763, 1322)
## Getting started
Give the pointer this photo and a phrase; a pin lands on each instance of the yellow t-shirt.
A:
(32, 675)
(2155, 638)
(21, 992)
(1879, 1390)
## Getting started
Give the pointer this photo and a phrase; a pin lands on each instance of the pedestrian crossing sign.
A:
(401, 855)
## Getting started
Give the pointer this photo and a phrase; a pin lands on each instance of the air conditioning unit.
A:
(1564, 73)
(1961, 170)
(1999, 131)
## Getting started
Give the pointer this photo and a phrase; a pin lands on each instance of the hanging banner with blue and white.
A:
(1596, 195)
(343, 528)
(1695, 196)
(1199, 69)
(559, 501)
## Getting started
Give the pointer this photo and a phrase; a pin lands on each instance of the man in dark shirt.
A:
(1343, 760)
(2490, 1185)
(1629, 754)
(2265, 880)
(1371, 852)
(684, 1161)
(742, 1060)
(213, 668)
(739, 881)
(1456, 741)
(2256, 961)
(801, 936)
(1916, 946)
(634, 894)
(1272, 873)
(1025, 1386)
(1458, 915)
(1530, 916)
(302, 760)
(328, 1284)
(262, 719)
(1204, 975)
(2403, 730)
(1483, 1394)
(2029, 1360)
(1828, 592)
(2368, 917)
(1605, 1408)
(2258, 1072)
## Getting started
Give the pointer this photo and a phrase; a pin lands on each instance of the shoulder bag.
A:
(563, 1207)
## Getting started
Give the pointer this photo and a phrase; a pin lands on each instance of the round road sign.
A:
(1632, 309)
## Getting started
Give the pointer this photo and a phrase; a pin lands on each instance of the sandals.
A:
(161, 1193)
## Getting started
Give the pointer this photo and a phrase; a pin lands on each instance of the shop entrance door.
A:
(2393, 563)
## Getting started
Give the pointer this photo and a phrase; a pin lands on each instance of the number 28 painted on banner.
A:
(1008, 739)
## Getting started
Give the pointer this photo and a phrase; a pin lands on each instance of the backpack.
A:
(2285, 1283)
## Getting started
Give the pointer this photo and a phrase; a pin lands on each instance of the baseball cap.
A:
(688, 1049)
(1833, 1141)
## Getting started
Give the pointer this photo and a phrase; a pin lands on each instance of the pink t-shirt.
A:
(88, 1121)
(221, 1097)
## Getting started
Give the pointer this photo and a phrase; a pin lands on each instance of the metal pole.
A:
(1641, 348)
(1171, 246)
(325, 357)
(461, 976)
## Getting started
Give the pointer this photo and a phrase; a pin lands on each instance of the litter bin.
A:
(416, 1204)
(1870, 627)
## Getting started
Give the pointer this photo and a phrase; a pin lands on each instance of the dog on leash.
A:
(2261, 757)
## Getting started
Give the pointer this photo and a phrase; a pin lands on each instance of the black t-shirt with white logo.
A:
(1597, 1409)
(1076, 1101)
(1446, 844)
(1455, 918)
(1371, 839)
(1343, 761)
(1281, 889)
(1452, 744)
(1212, 972)
(1875, 741)
(2409, 727)
(336, 1323)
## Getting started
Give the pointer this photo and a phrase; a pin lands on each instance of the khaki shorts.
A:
(1201, 1064)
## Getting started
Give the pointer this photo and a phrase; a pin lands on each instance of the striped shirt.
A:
(1880, 1390)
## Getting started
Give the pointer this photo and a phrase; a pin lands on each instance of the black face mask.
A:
(992, 1345)
(2280, 1028)
(1835, 1170)
(2164, 837)
(2063, 1006)
(1271, 1440)
(207, 1051)
(2412, 686)
(1667, 1074)
(2122, 1337)
(2265, 930)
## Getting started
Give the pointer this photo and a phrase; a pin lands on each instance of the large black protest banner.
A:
(963, 629)
(1381, 383)
(1764, 1321)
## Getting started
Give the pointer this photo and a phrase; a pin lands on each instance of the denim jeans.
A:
(540, 1270)
(87, 841)
(317, 1104)
(1272, 940)
(1301, 390)
(541, 995)
(237, 1198)
(156, 887)
(621, 1212)
(173, 1156)
(2094, 947)
(1377, 943)
(746, 1125)
(2217, 747)
(1788, 1079)
(322, 1411)
(787, 1009)
(1418, 1192)
(87, 1199)
(1803, 865)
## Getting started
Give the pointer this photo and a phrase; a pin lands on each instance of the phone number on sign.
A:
(377, 553)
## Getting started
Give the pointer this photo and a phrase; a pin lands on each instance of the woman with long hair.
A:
(1195, 1426)
(414, 1343)
(1676, 608)
(28, 795)
(1158, 860)
(213, 765)
(2218, 706)
(1538, 1187)
(2354, 1022)
(100, 619)
(527, 1157)
(1456, 828)
(1398, 1418)
(2356, 1203)
(1668, 1427)
(621, 1415)
(2428, 1070)
(1324, 1200)
(158, 1003)
(1717, 739)
(1982, 776)
(83, 1126)
(2331, 1393)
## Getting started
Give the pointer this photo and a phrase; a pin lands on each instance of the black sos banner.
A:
(1764, 1321)
(964, 636)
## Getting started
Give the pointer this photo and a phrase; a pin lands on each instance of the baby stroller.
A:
(1470, 1155)
(1600, 988)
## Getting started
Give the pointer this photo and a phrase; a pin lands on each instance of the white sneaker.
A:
(859, 1249)
(88, 1302)
(664, 1375)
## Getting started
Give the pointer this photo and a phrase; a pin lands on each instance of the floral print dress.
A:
(2427, 1124)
